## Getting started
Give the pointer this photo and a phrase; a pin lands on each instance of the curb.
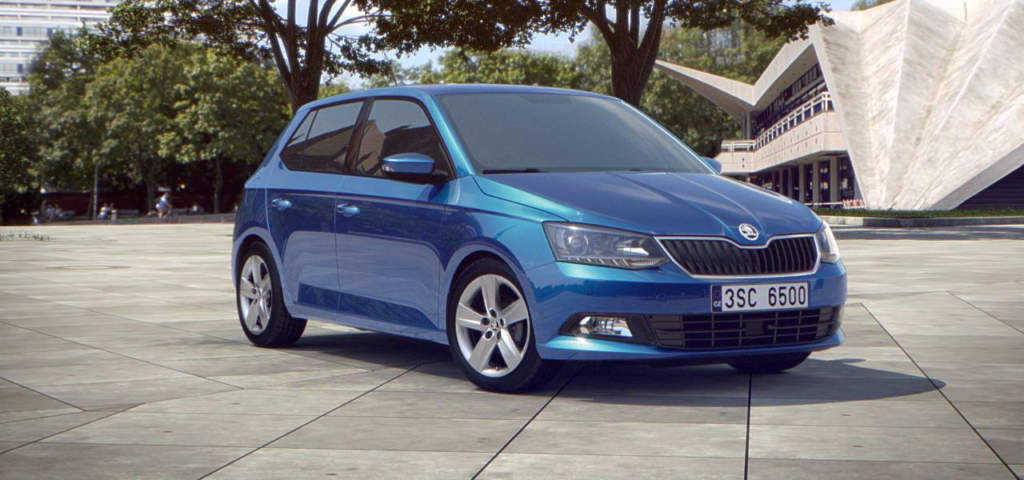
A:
(920, 222)
(221, 218)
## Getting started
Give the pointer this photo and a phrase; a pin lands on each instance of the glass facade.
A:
(26, 24)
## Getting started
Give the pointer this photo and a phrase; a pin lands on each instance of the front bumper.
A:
(562, 291)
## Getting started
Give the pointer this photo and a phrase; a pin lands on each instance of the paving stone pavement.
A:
(121, 357)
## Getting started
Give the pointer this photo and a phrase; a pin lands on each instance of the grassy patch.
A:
(1006, 212)
(23, 236)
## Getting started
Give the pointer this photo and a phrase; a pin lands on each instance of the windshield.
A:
(507, 132)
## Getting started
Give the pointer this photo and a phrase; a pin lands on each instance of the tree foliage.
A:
(303, 41)
(18, 148)
(517, 67)
(168, 108)
(225, 109)
(866, 4)
(69, 135)
(739, 52)
(631, 30)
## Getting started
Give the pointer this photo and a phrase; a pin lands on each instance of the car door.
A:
(389, 231)
(301, 205)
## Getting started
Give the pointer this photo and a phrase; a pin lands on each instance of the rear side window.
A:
(292, 153)
(322, 141)
(394, 127)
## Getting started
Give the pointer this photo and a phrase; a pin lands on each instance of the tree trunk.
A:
(303, 90)
(94, 198)
(218, 183)
(628, 80)
(632, 55)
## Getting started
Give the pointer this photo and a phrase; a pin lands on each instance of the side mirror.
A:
(411, 167)
(714, 164)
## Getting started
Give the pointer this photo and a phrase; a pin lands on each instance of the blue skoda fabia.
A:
(525, 227)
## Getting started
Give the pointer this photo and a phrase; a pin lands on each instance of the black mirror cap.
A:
(432, 178)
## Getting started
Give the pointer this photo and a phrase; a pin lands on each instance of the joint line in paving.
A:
(528, 422)
(938, 389)
(289, 432)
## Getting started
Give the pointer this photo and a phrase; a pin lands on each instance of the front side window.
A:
(394, 127)
(554, 132)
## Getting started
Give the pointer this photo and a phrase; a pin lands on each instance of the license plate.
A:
(745, 298)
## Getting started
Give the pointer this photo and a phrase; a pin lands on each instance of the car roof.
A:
(421, 91)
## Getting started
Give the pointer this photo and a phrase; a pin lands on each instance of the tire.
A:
(474, 322)
(271, 325)
(769, 363)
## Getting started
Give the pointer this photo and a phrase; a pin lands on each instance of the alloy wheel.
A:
(492, 325)
(255, 294)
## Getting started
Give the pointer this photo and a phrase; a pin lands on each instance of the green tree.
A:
(515, 67)
(334, 88)
(304, 45)
(225, 110)
(739, 52)
(69, 136)
(632, 34)
(18, 148)
(134, 100)
(866, 4)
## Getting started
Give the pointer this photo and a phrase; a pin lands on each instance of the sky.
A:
(542, 43)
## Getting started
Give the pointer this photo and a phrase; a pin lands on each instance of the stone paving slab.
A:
(121, 357)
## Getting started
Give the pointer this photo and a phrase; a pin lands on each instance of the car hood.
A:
(656, 203)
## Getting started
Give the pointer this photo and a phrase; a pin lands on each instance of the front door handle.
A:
(281, 204)
(347, 210)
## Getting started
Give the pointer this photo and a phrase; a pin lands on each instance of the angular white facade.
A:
(927, 103)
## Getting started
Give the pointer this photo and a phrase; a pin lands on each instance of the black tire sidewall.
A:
(278, 315)
(524, 376)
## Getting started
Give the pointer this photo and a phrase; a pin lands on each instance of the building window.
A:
(847, 189)
(808, 184)
(824, 178)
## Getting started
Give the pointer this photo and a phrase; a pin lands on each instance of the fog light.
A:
(609, 326)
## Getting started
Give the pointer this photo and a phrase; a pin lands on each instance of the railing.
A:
(741, 145)
(819, 104)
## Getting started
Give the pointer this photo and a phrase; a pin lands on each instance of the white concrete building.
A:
(26, 24)
(915, 104)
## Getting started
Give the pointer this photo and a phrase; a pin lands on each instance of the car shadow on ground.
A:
(816, 381)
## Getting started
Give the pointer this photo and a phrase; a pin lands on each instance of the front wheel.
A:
(261, 310)
(490, 331)
(769, 363)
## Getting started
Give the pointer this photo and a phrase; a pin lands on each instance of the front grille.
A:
(743, 330)
(719, 257)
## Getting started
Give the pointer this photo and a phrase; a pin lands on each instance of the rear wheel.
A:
(769, 363)
(261, 310)
(490, 331)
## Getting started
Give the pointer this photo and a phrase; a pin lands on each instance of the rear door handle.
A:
(281, 204)
(347, 210)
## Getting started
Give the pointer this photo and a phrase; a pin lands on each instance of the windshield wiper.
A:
(512, 170)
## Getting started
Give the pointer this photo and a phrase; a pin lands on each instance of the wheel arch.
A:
(467, 256)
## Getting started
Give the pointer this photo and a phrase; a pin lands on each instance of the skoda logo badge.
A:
(748, 231)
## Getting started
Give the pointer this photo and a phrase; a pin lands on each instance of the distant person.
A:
(195, 210)
(105, 211)
(163, 206)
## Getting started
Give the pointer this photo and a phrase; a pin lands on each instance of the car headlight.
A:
(603, 246)
(827, 244)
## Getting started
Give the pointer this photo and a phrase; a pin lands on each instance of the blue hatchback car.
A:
(525, 227)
